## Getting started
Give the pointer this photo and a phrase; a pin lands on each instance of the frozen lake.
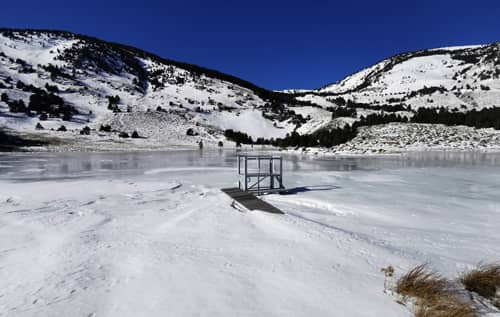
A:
(151, 234)
(46, 166)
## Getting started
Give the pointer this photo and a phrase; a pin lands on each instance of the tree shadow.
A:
(304, 189)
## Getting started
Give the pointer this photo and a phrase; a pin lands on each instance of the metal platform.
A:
(250, 201)
(260, 174)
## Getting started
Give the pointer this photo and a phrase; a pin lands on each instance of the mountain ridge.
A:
(50, 78)
(405, 53)
(225, 76)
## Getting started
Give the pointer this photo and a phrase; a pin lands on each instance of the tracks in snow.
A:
(153, 248)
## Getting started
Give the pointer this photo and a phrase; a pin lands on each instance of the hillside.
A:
(461, 78)
(59, 78)
(454, 86)
(103, 92)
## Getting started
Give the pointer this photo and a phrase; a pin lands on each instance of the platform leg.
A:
(246, 173)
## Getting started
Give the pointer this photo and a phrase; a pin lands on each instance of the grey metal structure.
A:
(260, 174)
(249, 201)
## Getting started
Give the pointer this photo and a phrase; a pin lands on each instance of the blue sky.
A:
(274, 44)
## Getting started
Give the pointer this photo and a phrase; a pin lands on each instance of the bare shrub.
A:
(444, 306)
(434, 295)
(422, 283)
(485, 281)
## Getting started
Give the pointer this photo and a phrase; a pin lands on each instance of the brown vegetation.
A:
(433, 294)
(444, 306)
(485, 281)
(422, 283)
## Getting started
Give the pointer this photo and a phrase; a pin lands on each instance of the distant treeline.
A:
(9, 142)
(331, 137)
(485, 118)
(44, 102)
(323, 138)
(328, 137)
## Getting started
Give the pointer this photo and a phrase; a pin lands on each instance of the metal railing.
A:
(261, 173)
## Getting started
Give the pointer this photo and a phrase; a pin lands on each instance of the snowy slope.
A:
(88, 71)
(468, 78)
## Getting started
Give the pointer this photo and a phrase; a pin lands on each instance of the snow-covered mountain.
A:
(48, 76)
(455, 77)
(54, 78)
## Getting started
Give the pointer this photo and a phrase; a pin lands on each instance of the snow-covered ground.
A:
(388, 138)
(395, 138)
(150, 234)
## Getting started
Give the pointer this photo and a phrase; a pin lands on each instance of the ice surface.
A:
(150, 234)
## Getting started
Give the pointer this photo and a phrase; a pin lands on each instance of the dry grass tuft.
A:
(484, 280)
(445, 306)
(434, 295)
(423, 284)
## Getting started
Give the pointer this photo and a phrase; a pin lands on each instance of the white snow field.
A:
(150, 234)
